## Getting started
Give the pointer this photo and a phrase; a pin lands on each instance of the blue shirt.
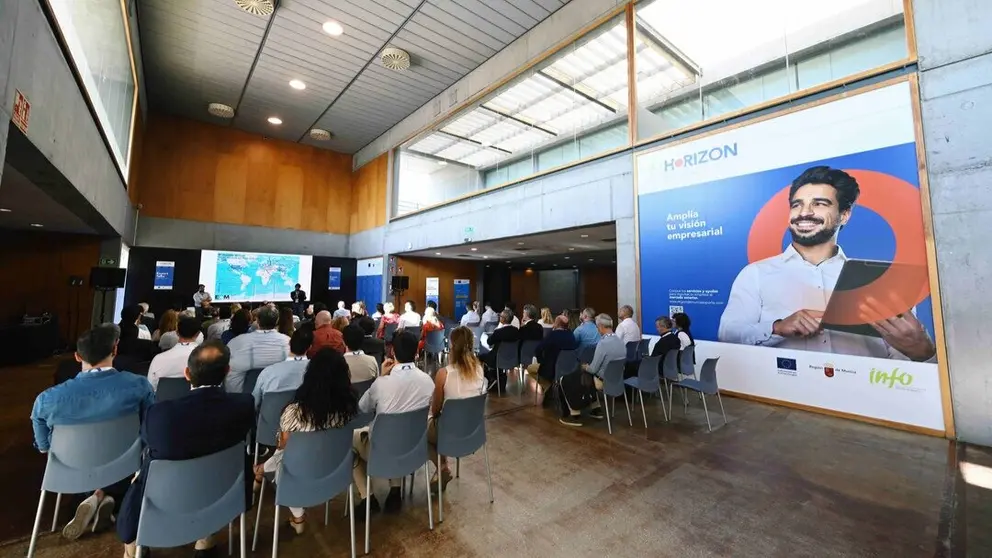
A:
(92, 396)
(586, 335)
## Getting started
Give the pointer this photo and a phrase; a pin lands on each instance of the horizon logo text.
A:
(890, 379)
(702, 157)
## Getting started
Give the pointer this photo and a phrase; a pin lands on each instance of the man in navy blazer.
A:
(205, 421)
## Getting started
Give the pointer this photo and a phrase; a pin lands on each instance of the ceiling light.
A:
(531, 263)
(554, 265)
(437, 253)
(333, 28)
(584, 235)
(297, 84)
(507, 261)
(37, 225)
(485, 257)
(566, 257)
(520, 244)
(220, 110)
(571, 249)
(275, 120)
(4, 210)
(475, 249)
(590, 259)
(442, 163)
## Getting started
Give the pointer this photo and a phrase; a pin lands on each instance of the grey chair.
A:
(434, 344)
(476, 339)
(507, 358)
(267, 422)
(566, 364)
(644, 347)
(192, 499)
(670, 373)
(397, 448)
(251, 378)
(489, 327)
(171, 388)
(361, 387)
(87, 457)
(388, 332)
(316, 467)
(687, 361)
(461, 431)
(632, 351)
(705, 385)
(613, 387)
(527, 351)
(647, 382)
(587, 353)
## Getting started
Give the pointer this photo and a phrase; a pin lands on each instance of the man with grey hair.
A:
(256, 349)
(587, 335)
(668, 340)
(505, 332)
(610, 347)
(531, 329)
(627, 329)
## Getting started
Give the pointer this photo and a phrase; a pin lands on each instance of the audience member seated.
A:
(288, 374)
(203, 422)
(401, 387)
(371, 345)
(147, 318)
(389, 316)
(326, 335)
(358, 310)
(627, 330)
(212, 316)
(489, 316)
(170, 339)
(341, 312)
(587, 334)
(682, 322)
(559, 339)
(307, 314)
(223, 323)
(362, 366)
(472, 317)
(379, 311)
(431, 323)
(131, 347)
(513, 310)
(547, 320)
(462, 377)
(172, 363)
(668, 340)
(410, 318)
(505, 332)
(240, 324)
(341, 322)
(256, 349)
(574, 318)
(609, 348)
(531, 330)
(323, 400)
(287, 321)
(168, 322)
(98, 393)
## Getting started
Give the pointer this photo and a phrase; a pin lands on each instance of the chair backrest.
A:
(461, 427)
(566, 364)
(687, 361)
(476, 339)
(86, 457)
(670, 366)
(707, 376)
(361, 387)
(398, 444)
(632, 354)
(171, 388)
(507, 355)
(388, 332)
(647, 374)
(269, 413)
(613, 378)
(547, 331)
(587, 353)
(489, 327)
(191, 499)
(644, 347)
(316, 466)
(527, 350)
(434, 342)
(251, 378)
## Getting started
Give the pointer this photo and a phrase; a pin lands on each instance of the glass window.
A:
(692, 68)
(96, 35)
(569, 107)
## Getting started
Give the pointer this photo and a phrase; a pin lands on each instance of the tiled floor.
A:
(773, 482)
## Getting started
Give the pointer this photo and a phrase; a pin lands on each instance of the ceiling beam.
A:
(575, 90)
(479, 143)
(520, 120)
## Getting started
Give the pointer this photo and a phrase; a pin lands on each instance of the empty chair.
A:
(87, 457)
(687, 361)
(647, 382)
(171, 388)
(461, 431)
(632, 351)
(705, 385)
(613, 387)
(644, 347)
(251, 378)
(361, 387)
(670, 373)
(434, 344)
(316, 467)
(587, 353)
(269, 412)
(388, 331)
(507, 358)
(188, 500)
(397, 448)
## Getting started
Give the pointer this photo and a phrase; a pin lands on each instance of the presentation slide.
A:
(255, 277)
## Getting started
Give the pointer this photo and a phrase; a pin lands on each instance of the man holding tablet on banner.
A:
(785, 301)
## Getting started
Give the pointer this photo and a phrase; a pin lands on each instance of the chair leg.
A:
(351, 513)
(489, 475)
(720, 399)
(368, 509)
(327, 513)
(256, 455)
(458, 467)
(440, 496)
(55, 515)
(137, 551)
(643, 413)
(37, 525)
(275, 534)
(241, 534)
(230, 538)
(670, 408)
(627, 405)
(258, 515)
(661, 396)
(430, 503)
(609, 425)
(709, 428)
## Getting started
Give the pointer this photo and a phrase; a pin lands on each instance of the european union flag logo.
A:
(786, 363)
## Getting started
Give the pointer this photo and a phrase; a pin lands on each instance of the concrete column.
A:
(109, 248)
(626, 268)
(8, 20)
(955, 51)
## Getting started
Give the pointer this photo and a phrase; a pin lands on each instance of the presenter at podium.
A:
(199, 297)
(299, 297)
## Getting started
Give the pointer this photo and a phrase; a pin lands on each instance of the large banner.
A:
(433, 288)
(796, 247)
(462, 287)
(164, 274)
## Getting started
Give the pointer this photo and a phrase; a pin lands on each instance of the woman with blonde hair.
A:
(389, 316)
(431, 323)
(340, 323)
(461, 378)
(546, 319)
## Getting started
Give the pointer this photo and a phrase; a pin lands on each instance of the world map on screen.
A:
(255, 276)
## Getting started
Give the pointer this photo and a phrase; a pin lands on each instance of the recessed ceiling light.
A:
(520, 244)
(507, 261)
(575, 266)
(4, 210)
(475, 249)
(584, 235)
(555, 265)
(566, 257)
(297, 84)
(531, 263)
(332, 28)
(37, 225)
(571, 249)
(275, 120)
(485, 257)
(442, 163)
(590, 259)
(437, 253)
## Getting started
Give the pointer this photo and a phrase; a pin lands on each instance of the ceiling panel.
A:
(201, 51)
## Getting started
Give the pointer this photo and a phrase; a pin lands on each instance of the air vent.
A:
(221, 110)
(320, 135)
(256, 7)
(395, 59)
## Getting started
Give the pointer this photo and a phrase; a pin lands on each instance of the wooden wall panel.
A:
(202, 172)
(598, 289)
(35, 274)
(419, 269)
(525, 288)
(369, 194)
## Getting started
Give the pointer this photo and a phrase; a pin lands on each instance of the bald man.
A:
(325, 335)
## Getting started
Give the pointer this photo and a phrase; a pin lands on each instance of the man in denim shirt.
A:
(97, 394)
(587, 335)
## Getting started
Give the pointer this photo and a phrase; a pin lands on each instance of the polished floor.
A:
(772, 483)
